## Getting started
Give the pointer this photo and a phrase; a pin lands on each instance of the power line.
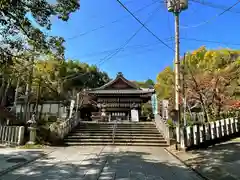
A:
(193, 39)
(128, 47)
(139, 52)
(112, 22)
(128, 40)
(210, 41)
(134, 47)
(108, 57)
(216, 6)
(170, 29)
(213, 18)
(144, 25)
(119, 49)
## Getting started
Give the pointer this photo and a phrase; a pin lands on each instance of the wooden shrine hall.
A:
(118, 98)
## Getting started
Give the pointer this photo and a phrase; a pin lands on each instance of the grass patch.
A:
(32, 146)
(236, 139)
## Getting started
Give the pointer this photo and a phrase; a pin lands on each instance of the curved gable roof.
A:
(120, 76)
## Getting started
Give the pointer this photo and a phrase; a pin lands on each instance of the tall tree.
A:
(149, 83)
(23, 23)
(211, 79)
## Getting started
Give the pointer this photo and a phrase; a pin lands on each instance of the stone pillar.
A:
(71, 108)
(21, 135)
(33, 135)
(165, 104)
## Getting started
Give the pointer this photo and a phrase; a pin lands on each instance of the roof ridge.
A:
(119, 75)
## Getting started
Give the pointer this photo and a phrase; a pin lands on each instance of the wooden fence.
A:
(11, 135)
(208, 133)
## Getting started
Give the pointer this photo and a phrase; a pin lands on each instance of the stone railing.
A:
(63, 128)
(163, 128)
(209, 133)
(11, 135)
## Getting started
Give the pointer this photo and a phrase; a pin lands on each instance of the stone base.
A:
(31, 143)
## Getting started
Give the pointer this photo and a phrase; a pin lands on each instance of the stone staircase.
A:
(126, 133)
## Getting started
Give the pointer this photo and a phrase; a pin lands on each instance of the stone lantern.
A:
(32, 129)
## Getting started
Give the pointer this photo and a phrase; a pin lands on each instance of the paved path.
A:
(219, 162)
(13, 157)
(119, 163)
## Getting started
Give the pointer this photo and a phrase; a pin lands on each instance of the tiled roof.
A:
(122, 91)
(131, 88)
(119, 76)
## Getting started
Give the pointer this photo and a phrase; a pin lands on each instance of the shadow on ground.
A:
(12, 158)
(134, 164)
(221, 161)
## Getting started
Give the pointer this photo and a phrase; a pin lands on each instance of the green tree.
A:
(211, 80)
(149, 83)
(23, 24)
(165, 83)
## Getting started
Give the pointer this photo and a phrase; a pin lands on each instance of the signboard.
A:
(154, 104)
(134, 115)
(165, 109)
(71, 108)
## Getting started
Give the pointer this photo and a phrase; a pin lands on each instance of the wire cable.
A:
(211, 19)
(210, 41)
(216, 6)
(134, 47)
(108, 57)
(144, 25)
(128, 40)
(112, 22)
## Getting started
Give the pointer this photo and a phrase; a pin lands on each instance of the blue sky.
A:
(144, 57)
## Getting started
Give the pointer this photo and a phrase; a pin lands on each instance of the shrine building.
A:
(118, 97)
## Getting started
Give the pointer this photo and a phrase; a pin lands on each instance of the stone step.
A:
(117, 131)
(117, 134)
(130, 134)
(116, 140)
(115, 144)
(118, 127)
(116, 137)
(110, 128)
(119, 122)
(122, 125)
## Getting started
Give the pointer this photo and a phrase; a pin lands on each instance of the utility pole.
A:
(184, 92)
(177, 6)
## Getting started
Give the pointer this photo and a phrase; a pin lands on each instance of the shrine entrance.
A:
(118, 97)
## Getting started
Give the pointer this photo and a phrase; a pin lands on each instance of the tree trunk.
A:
(3, 101)
(16, 93)
(2, 88)
(38, 97)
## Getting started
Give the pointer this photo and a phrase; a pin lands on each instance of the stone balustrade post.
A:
(21, 135)
(167, 133)
(33, 135)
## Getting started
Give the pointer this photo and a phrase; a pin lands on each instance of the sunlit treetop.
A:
(21, 21)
